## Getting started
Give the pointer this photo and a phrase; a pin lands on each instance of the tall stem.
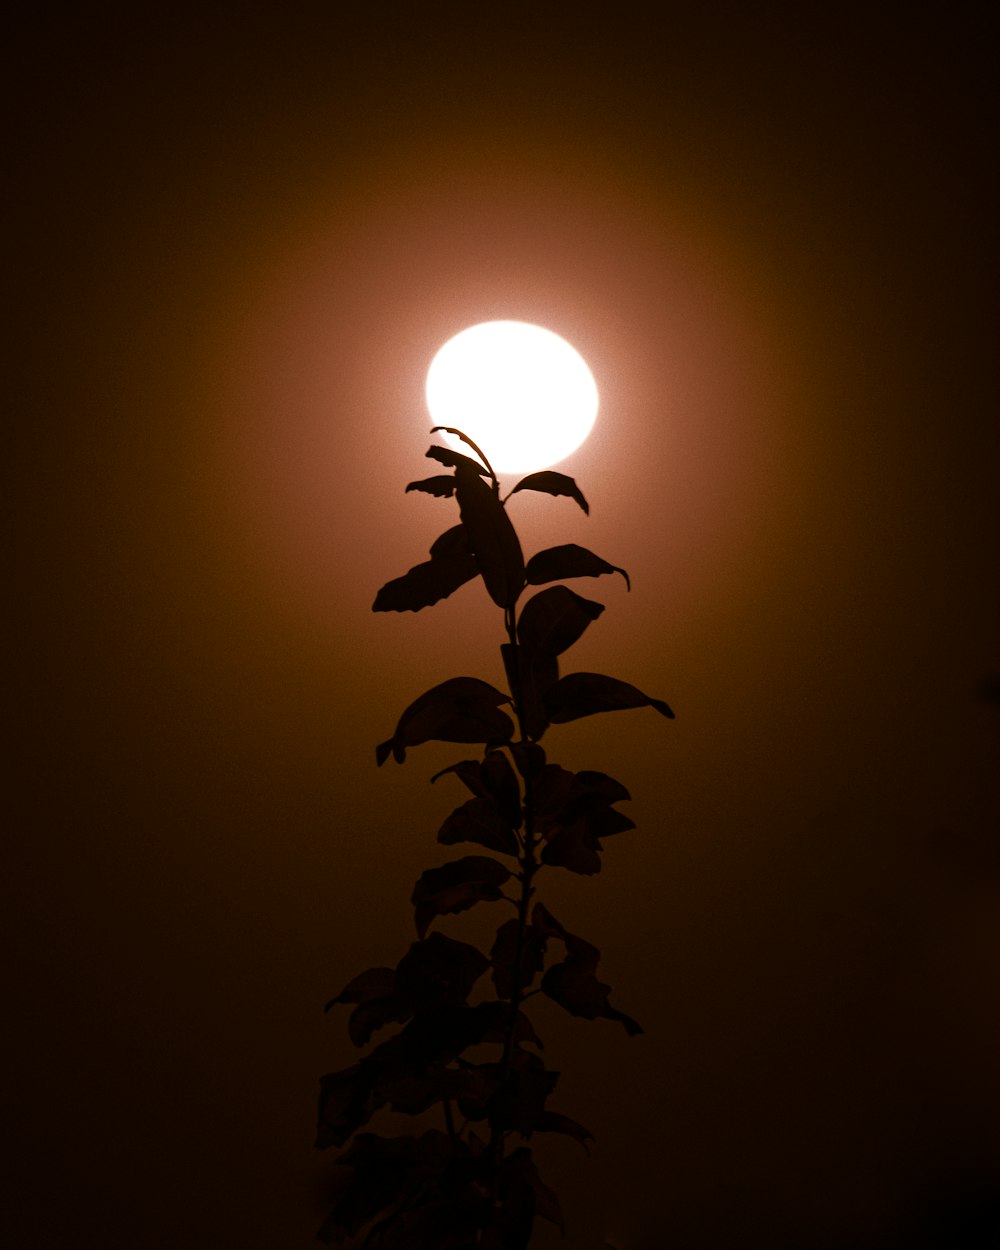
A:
(529, 866)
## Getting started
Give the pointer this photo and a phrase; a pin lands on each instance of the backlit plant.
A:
(462, 1039)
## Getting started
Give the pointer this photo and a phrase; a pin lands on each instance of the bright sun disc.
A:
(522, 393)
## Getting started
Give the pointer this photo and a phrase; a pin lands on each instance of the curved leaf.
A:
(494, 780)
(456, 887)
(584, 694)
(551, 621)
(574, 811)
(555, 563)
(347, 1099)
(375, 983)
(575, 987)
(462, 709)
(479, 821)
(491, 536)
(451, 565)
(426, 584)
(442, 486)
(450, 429)
(553, 1122)
(552, 483)
(573, 983)
(439, 971)
(454, 459)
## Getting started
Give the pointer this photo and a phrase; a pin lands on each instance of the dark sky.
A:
(237, 239)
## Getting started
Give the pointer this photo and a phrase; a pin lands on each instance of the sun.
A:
(519, 391)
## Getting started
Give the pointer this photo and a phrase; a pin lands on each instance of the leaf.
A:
(555, 563)
(479, 821)
(451, 542)
(552, 484)
(455, 459)
(442, 486)
(573, 983)
(377, 1004)
(574, 811)
(551, 621)
(375, 983)
(439, 971)
(584, 694)
(451, 565)
(426, 584)
(529, 758)
(403, 1064)
(450, 429)
(496, 1017)
(461, 709)
(600, 783)
(347, 1100)
(491, 536)
(553, 1122)
(493, 780)
(456, 887)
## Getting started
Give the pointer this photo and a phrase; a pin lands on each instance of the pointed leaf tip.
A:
(552, 483)
(569, 560)
(584, 694)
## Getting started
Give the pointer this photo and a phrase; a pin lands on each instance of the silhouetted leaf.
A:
(462, 709)
(347, 1100)
(556, 563)
(442, 486)
(573, 830)
(439, 971)
(450, 429)
(551, 621)
(377, 1004)
(404, 1064)
(600, 783)
(455, 459)
(502, 783)
(375, 983)
(553, 1122)
(552, 484)
(451, 565)
(491, 536)
(584, 694)
(456, 886)
(495, 1017)
(493, 780)
(573, 985)
(479, 821)
(452, 542)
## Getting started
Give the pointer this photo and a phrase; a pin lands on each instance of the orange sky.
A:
(238, 241)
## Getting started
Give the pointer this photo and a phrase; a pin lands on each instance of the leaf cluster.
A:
(447, 1027)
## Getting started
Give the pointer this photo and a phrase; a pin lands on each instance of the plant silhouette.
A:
(473, 1183)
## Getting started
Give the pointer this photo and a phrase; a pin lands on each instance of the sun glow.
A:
(519, 391)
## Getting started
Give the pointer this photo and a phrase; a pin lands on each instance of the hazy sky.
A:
(237, 241)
